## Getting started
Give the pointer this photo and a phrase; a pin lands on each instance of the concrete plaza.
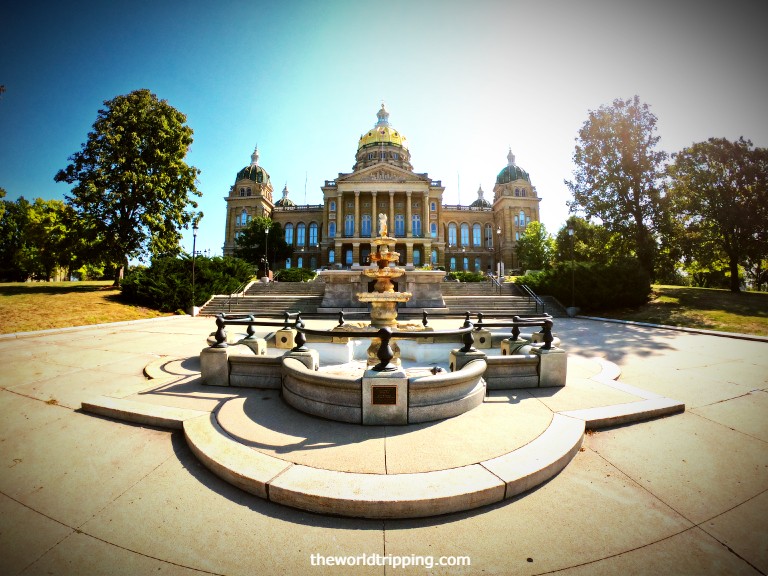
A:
(80, 494)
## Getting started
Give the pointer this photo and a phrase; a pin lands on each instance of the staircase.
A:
(270, 299)
(274, 298)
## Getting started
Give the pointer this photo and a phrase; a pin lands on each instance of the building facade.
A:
(338, 232)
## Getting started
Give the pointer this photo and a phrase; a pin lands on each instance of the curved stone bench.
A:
(322, 394)
(446, 394)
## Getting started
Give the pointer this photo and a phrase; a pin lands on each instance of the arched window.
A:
(416, 225)
(453, 263)
(465, 235)
(477, 264)
(247, 191)
(434, 257)
(433, 206)
(244, 217)
(476, 237)
(313, 263)
(289, 234)
(488, 236)
(299, 262)
(332, 206)
(242, 191)
(417, 257)
(331, 256)
(515, 220)
(237, 220)
(287, 262)
(313, 234)
(349, 225)
(365, 226)
(348, 257)
(522, 219)
(301, 238)
(433, 229)
(331, 229)
(466, 264)
(452, 234)
(399, 225)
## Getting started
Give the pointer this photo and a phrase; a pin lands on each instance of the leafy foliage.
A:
(590, 243)
(131, 181)
(593, 285)
(618, 173)
(535, 247)
(295, 275)
(719, 190)
(467, 276)
(166, 284)
(254, 242)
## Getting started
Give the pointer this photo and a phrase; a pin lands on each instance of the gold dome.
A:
(382, 133)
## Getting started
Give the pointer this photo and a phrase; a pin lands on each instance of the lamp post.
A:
(194, 251)
(266, 253)
(572, 311)
(498, 257)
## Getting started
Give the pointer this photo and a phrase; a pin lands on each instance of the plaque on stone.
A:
(384, 395)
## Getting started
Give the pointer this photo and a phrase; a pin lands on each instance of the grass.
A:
(707, 308)
(27, 306)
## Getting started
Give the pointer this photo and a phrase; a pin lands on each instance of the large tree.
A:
(719, 189)
(535, 247)
(618, 173)
(132, 185)
(253, 243)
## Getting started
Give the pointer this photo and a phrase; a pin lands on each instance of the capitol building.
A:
(338, 232)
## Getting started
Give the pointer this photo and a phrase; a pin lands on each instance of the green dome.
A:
(253, 171)
(511, 172)
(480, 202)
(285, 201)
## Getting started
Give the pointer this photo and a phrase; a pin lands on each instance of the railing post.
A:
(548, 338)
(221, 334)
(250, 331)
(385, 352)
(424, 318)
(341, 317)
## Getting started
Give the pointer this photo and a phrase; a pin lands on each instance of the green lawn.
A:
(708, 308)
(26, 306)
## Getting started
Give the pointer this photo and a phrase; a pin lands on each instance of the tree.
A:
(719, 189)
(14, 261)
(252, 244)
(132, 184)
(618, 173)
(535, 247)
(591, 243)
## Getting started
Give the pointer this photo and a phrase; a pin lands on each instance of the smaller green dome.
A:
(480, 202)
(511, 172)
(285, 201)
(254, 172)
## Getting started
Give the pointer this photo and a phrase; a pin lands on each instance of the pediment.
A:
(381, 173)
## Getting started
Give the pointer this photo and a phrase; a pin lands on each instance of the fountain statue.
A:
(384, 299)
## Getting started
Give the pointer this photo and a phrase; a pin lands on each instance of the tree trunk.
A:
(733, 264)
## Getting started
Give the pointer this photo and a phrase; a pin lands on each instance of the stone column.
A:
(356, 254)
(391, 223)
(408, 228)
(426, 222)
(374, 216)
(356, 229)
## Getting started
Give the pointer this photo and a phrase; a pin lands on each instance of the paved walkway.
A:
(79, 494)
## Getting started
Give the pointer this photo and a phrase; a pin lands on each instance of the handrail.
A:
(237, 291)
(523, 321)
(532, 296)
(496, 282)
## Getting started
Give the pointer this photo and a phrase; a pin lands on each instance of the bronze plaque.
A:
(384, 395)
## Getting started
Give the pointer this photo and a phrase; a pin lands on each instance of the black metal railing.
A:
(544, 321)
(532, 297)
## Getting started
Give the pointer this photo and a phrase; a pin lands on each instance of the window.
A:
(348, 257)
(331, 256)
(515, 220)
(466, 264)
(476, 236)
(333, 206)
(399, 225)
(465, 235)
(300, 262)
(243, 218)
(453, 263)
(289, 234)
(434, 257)
(349, 225)
(365, 228)
(517, 235)
(488, 236)
(237, 220)
(452, 234)
(433, 206)
(331, 229)
(242, 191)
(396, 156)
(364, 255)
(370, 155)
(416, 225)
(433, 229)
(287, 262)
(477, 264)
(417, 257)
(313, 234)
(313, 263)
(248, 192)
(522, 219)
(301, 230)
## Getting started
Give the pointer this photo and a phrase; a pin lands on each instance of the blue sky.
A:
(463, 81)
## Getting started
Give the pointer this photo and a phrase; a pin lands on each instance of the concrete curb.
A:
(35, 333)
(735, 335)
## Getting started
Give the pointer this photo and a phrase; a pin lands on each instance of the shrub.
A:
(596, 286)
(295, 275)
(166, 284)
(467, 276)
